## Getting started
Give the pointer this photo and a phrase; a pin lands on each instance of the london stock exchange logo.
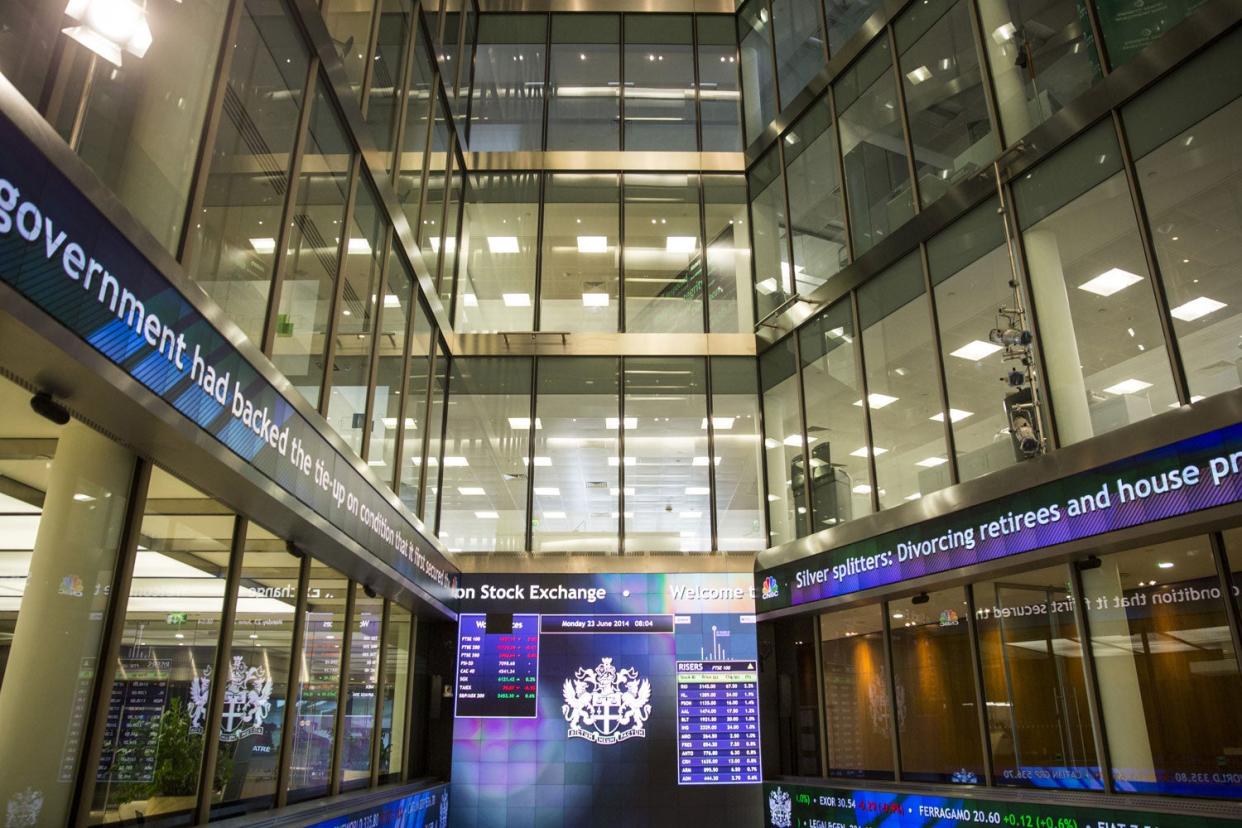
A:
(781, 808)
(247, 701)
(606, 705)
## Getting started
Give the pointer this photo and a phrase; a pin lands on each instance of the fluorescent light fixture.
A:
(1110, 281)
(471, 491)
(1196, 308)
(702, 461)
(1128, 386)
(766, 286)
(392, 300)
(376, 461)
(794, 440)
(487, 515)
(611, 422)
(877, 400)
(691, 515)
(975, 350)
(862, 452)
(697, 490)
(616, 461)
(769, 443)
(629, 492)
(914, 496)
(450, 462)
(502, 244)
(517, 300)
(82, 498)
(592, 244)
(547, 491)
(449, 247)
(719, 423)
(470, 300)
(358, 247)
(554, 515)
(955, 415)
(263, 245)
(540, 461)
(1165, 564)
(523, 423)
(861, 488)
(108, 26)
(931, 462)
(681, 244)
(917, 76)
(595, 300)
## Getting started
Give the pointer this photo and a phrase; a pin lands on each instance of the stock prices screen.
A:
(606, 699)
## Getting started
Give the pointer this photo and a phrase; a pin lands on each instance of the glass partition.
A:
(857, 699)
(500, 247)
(758, 72)
(774, 278)
(800, 48)
(395, 696)
(584, 96)
(361, 689)
(783, 443)
(659, 83)
(578, 289)
(506, 113)
(738, 459)
(663, 268)
(816, 214)
(730, 298)
(720, 95)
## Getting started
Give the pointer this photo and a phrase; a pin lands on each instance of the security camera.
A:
(1015, 378)
(368, 591)
(1024, 433)
(1011, 337)
(293, 550)
(921, 598)
(48, 408)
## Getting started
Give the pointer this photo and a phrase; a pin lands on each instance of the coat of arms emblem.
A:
(781, 808)
(606, 705)
(247, 701)
(23, 809)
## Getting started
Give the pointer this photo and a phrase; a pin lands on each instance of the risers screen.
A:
(606, 699)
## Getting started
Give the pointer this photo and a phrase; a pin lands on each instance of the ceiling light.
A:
(178, 635)
(487, 515)
(766, 286)
(471, 491)
(392, 300)
(1196, 308)
(592, 244)
(919, 75)
(263, 245)
(540, 461)
(458, 462)
(1110, 281)
(772, 498)
(877, 400)
(616, 461)
(595, 300)
(899, 615)
(719, 423)
(1129, 386)
(611, 422)
(547, 491)
(914, 496)
(470, 300)
(931, 462)
(794, 440)
(702, 461)
(449, 247)
(376, 461)
(691, 515)
(955, 415)
(523, 423)
(682, 244)
(861, 488)
(517, 300)
(358, 247)
(1004, 32)
(629, 492)
(697, 490)
(554, 515)
(1165, 564)
(108, 26)
(502, 244)
(975, 350)
(82, 498)
(862, 452)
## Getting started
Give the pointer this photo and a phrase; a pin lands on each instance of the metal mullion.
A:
(754, 264)
(808, 523)
(621, 314)
(861, 366)
(377, 723)
(1097, 35)
(839, 157)
(547, 81)
(444, 419)
(373, 363)
(537, 313)
(449, 157)
(703, 270)
(711, 456)
(817, 640)
(426, 442)
(784, 179)
(1091, 679)
(942, 380)
(458, 225)
(211, 126)
(461, 39)
(293, 683)
(468, 113)
(407, 729)
(224, 647)
(405, 87)
(894, 719)
(404, 381)
(976, 670)
(1225, 575)
(621, 84)
(698, 101)
(1171, 343)
(342, 688)
(424, 173)
(338, 289)
(985, 69)
(530, 455)
(368, 69)
(286, 212)
(904, 114)
(621, 456)
(109, 647)
(776, 72)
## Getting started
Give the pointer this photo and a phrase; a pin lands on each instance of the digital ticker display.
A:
(645, 700)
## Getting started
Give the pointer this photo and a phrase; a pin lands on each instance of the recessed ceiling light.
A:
(877, 400)
(595, 300)
(539, 461)
(1110, 281)
(449, 247)
(554, 515)
(358, 247)
(453, 461)
(697, 490)
(523, 423)
(691, 515)
(502, 244)
(931, 462)
(392, 300)
(681, 244)
(471, 491)
(629, 492)
(861, 488)
(862, 452)
(616, 461)
(955, 415)
(1129, 386)
(793, 440)
(975, 350)
(611, 422)
(487, 515)
(719, 423)
(766, 286)
(263, 245)
(517, 300)
(547, 491)
(702, 461)
(592, 244)
(1165, 564)
(1196, 308)
(919, 75)
(470, 300)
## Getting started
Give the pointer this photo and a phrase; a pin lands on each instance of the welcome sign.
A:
(60, 252)
(1188, 476)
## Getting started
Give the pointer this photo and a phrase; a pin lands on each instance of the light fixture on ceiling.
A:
(470, 300)
(697, 490)
(612, 422)
(975, 350)
(471, 491)
(592, 244)
(955, 415)
(554, 515)
(863, 452)
(516, 300)
(1196, 308)
(1110, 281)
(1128, 386)
(931, 462)
(681, 244)
(523, 423)
(502, 244)
(547, 491)
(263, 245)
(358, 247)
(719, 423)
(595, 300)
(917, 76)
(109, 27)
(877, 400)
(487, 515)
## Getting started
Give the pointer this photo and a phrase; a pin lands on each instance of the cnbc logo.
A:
(770, 588)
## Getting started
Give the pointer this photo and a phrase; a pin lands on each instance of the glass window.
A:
(470, 25)
(140, 126)
(797, 730)
(937, 717)
(414, 430)
(659, 83)
(907, 424)
(486, 437)
(1101, 338)
(857, 698)
(29, 30)
(667, 493)
(1163, 656)
(360, 301)
(576, 454)
(584, 99)
(730, 299)
(578, 288)
(840, 474)
(452, 230)
(413, 144)
(845, 18)
(396, 25)
(782, 443)
(506, 114)
(435, 431)
(774, 282)
(313, 253)
(1038, 721)
(971, 272)
(395, 713)
(361, 688)
(430, 230)
(720, 96)
(447, 50)
(877, 178)
(1128, 29)
(949, 124)
(153, 745)
(739, 458)
(249, 736)
(349, 26)
(502, 224)
(800, 51)
(394, 311)
(663, 270)
(1041, 55)
(310, 766)
(233, 247)
(820, 246)
(1182, 135)
(62, 512)
(758, 73)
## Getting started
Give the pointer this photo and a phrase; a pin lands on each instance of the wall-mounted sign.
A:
(60, 252)
(1194, 474)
